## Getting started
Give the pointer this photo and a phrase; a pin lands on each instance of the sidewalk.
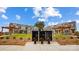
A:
(30, 46)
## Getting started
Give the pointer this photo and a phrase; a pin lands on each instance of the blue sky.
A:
(30, 15)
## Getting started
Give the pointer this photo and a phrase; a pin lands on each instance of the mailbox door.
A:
(41, 35)
(48, 35)
(34, 35)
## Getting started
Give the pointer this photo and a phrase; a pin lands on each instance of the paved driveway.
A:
(30, 46)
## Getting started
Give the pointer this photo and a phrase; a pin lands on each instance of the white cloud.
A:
(69, 21)
(36, 11)
(18, 17)
(52, 23)
(46, 12)
(52, 12)
(3, 9)
(77, 21)
(4, 16)
(77, 13)
(2, 12)
(41, 19)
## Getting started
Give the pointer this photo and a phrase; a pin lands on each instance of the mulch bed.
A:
(13, 41)
(68, 41)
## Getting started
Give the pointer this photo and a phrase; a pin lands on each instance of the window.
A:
(66, 31)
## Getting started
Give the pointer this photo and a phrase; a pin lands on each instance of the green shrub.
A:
(7, 37)
(14, 37)
(1, 37)
(21, 38)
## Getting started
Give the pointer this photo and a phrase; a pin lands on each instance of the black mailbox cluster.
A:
(42, 36)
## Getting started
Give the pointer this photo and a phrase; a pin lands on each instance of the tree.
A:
(40, 25)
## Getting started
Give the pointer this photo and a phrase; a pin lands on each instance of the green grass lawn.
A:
(60, 36)
(22, 35)
(18, 35)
